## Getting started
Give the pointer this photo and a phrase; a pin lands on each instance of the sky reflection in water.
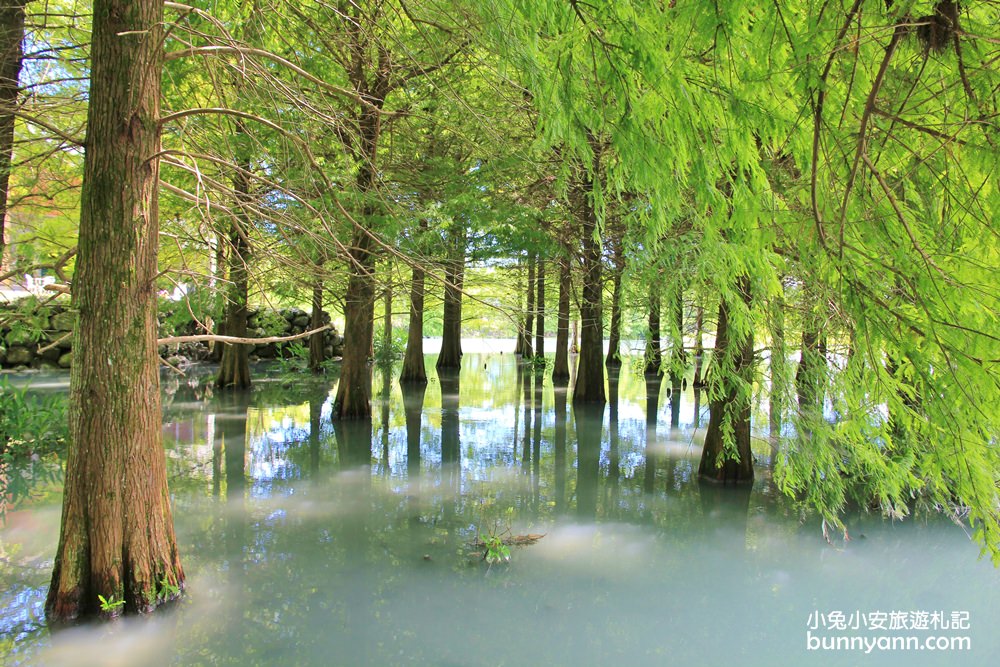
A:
(309, 544)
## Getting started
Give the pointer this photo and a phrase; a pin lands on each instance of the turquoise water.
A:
(310, 545)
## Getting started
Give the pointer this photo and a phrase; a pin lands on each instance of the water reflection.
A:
(413, 406)
(311, 542)
(589, 421)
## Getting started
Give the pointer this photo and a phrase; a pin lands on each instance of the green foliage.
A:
(166, 590)
(110, 605)
(31, 425)
(495, 549)
(394, 350)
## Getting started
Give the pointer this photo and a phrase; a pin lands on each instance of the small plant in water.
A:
(494, 543)
(109, 605)
(167, 590)
(496, 550)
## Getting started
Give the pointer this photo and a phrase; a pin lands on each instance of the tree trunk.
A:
(654, 355)
(529, 317)
(614, 357)
(117, 536)
(11, 53)
(234, 369)
(353, 400)
(729, 407)
(699, 347)
(590, 367)
(451, 340)
(678, 358)
(809, 375)
(218, 276)
(560, 368)
(540, 310)
(386, 351)
(521, 334)
(414, 370)
(317, 342)
(779, 370)
(678, 355)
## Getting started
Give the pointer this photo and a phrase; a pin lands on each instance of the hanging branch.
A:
(200, 338)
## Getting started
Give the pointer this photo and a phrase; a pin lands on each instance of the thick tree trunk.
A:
(654, 355)
(353, 400)
(529, 318)
(614, 357)
(414, 370)
(11, 38)
(451, 340)
(234, 368)
(540, 310)
(317, 344)
(117, 536)
(560, 368)
(729, 407)
(590, 365)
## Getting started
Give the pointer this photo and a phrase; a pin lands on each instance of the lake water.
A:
(306, 544)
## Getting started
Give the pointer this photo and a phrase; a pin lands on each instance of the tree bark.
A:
(234, 368)
(811, 370)
(778, 368)
(117, 536)
(699, 347)
(386, 351)
(414, 370)
(11, 55)
(317, 343)
(560, 368)
(353, 400)
(729, 407)
(451, 340)
(614, 357)
(654, 354)
(590, 367)
(540, 309)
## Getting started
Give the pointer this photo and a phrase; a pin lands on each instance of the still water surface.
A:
(310, 544)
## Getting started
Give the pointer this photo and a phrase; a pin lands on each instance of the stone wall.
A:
(28, 331)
